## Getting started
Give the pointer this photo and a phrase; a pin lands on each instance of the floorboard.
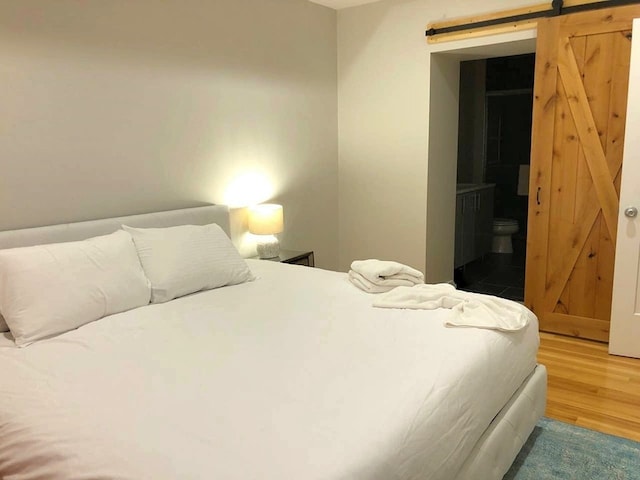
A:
(590, 388)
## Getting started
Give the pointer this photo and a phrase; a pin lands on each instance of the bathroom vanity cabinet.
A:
(474, 222)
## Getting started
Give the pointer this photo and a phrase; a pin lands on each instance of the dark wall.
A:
(509, 109)
(508, 73)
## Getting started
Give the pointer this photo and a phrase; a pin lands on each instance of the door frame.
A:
(444, 66)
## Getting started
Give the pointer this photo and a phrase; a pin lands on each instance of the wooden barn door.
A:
(579, 112)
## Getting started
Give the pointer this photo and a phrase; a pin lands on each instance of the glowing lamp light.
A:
(248, 189)
(266, 221)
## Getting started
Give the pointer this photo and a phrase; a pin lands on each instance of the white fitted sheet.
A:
(292, 376)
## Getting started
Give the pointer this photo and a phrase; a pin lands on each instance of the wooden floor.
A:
(590, 388)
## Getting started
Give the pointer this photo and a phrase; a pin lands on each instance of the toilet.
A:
(503, 228)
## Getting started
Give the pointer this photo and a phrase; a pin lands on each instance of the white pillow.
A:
(188, 258)
(50, 289)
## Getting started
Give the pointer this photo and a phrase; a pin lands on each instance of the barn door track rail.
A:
(512, 19)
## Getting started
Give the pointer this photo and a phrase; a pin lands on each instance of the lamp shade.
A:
(266, 219)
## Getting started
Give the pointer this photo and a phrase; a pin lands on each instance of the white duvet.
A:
(292, 376)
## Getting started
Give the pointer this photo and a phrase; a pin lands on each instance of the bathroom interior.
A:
(494, 145)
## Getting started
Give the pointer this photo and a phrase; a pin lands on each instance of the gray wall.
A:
(112, 107)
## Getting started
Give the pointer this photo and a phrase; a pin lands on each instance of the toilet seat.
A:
(504, 221)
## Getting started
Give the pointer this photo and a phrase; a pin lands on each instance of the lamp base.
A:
(268, 246)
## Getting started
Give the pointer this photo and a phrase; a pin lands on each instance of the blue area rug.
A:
(557, 450)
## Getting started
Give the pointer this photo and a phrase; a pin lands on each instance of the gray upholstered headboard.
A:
(68, 232)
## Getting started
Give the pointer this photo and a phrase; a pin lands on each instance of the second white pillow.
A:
(187, 258)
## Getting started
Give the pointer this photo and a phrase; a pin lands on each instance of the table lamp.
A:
(266, 220)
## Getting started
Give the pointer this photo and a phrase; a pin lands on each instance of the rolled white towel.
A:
(388, 273)
(365, 285)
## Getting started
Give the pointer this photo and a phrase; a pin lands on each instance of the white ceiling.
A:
(338, 4)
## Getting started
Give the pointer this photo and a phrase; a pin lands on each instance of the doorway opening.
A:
(444, 65)
(492, 180)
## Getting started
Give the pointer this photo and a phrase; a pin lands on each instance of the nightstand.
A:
(293, 257)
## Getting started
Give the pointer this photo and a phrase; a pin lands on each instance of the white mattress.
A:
(293, 376)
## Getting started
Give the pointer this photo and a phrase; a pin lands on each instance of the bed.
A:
(290, 375)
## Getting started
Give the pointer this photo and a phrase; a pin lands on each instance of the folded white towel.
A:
(381, 272)
(364, 284)
(467, 309)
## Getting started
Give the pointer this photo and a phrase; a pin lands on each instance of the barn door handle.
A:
(538, 196)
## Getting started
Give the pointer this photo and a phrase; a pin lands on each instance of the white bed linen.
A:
(293, 376)
(7, 340)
